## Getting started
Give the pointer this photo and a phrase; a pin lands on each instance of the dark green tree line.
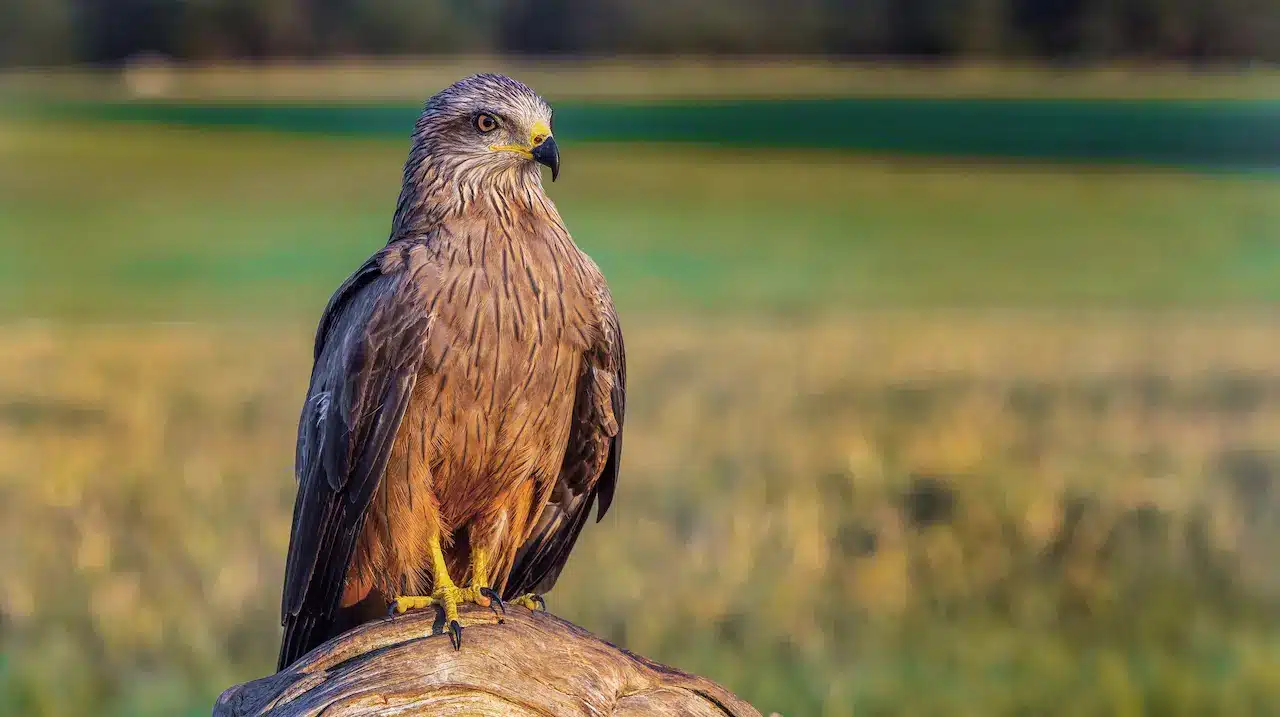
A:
(63, 31)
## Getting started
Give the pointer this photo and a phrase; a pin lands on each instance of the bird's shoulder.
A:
(598, 295)
(414, 258)
(395, 275)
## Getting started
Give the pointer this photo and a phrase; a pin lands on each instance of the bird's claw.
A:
(455, 634)
(447, 599)
(495, 602)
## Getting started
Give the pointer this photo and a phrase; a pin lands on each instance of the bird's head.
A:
(486, 126)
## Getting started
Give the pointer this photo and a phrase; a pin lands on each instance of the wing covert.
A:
(369, 347)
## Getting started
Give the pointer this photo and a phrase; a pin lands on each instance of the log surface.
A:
(532, 664)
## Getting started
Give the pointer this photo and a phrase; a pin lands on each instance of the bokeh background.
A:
(954, 385)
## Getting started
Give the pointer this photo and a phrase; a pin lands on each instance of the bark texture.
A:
(532, 664)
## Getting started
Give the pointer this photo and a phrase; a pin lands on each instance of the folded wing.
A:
(369, 347)
(589, 472)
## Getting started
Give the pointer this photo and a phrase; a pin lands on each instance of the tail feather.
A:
(301, 634)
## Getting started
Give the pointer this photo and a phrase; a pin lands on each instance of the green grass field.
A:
(904, 438)
(110, 222)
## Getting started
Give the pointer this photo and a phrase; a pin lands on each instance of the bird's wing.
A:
(369, 348)
(589, 472)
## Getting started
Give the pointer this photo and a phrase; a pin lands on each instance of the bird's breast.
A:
(502, 385)
(511, 318)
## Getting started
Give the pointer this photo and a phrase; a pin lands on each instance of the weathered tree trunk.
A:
(532, 664)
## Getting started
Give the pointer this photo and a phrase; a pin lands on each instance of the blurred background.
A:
(951, 324)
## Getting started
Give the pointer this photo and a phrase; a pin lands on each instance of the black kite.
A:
(466, 403)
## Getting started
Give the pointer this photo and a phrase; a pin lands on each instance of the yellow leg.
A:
(448, 596)
(480, 574)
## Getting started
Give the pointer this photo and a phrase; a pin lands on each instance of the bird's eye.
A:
(486, 122)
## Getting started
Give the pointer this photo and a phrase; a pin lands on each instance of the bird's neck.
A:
(430, 199)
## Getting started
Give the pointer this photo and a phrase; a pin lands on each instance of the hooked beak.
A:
(548, 154)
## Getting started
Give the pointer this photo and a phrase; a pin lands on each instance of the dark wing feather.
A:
(589, 473)
(369, 347)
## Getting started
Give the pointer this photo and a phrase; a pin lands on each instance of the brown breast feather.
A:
(513, 311)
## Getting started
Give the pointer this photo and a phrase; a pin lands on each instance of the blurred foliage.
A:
(107, 30)
(881, 514)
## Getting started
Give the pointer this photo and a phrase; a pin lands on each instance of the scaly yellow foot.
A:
(533, 601)
(448, 596)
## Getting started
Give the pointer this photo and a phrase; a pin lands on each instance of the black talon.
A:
(541, 603)
(495, 603)
(455, 634)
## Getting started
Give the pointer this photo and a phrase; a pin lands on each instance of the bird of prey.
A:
(466, 401)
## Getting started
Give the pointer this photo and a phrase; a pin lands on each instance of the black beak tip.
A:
(548, 155)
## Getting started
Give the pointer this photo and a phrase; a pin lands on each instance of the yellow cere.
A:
(537, 135)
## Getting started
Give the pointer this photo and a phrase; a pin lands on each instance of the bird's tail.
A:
(301, 633)
(307, 630)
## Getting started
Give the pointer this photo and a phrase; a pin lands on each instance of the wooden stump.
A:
(532, 664)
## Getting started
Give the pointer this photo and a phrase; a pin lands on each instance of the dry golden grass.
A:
(906, 513)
